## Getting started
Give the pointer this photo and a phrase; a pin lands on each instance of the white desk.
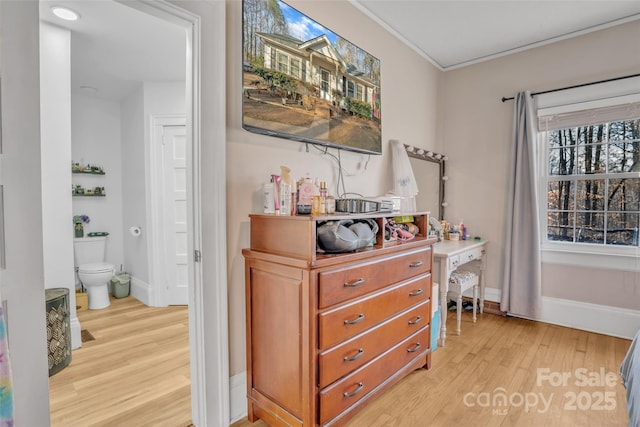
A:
(451, 254)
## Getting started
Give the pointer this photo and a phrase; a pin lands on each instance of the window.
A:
(359, 92)
(593, 184)
(350, 89)
(295, 68)
(283, 63)
(324, 83)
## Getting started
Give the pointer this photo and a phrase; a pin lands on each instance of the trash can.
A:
(58, 329)
(120, 284)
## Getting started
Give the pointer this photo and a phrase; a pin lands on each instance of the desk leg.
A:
(444, 289)
(483, 267)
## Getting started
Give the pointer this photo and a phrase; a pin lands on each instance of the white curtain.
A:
(521, 287)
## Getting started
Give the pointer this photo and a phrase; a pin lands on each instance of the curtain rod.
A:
(575, 86)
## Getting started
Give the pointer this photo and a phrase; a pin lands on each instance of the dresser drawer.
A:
(346, 392)
(350, 355)
(342, 284)
(346, 321)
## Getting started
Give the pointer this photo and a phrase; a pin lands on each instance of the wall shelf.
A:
(89, 172)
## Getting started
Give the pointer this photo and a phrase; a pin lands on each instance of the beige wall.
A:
(409, 90)
(476, 127)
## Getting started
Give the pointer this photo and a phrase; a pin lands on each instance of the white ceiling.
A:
(455, 33)
(114, 47)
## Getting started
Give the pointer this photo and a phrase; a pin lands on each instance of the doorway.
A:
(190, 25)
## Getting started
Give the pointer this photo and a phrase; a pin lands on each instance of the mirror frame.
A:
(422, 154)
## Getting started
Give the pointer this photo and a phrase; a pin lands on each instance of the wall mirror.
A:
(428, 169)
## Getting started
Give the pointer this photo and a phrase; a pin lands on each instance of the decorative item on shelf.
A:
(79, 221)
(91, 169)
(79, 190)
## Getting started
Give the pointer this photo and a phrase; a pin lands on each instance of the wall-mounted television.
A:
(301, 81)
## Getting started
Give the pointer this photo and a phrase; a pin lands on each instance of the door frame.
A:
(155, 240)
(210, 371)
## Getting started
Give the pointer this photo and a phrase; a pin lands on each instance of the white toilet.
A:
(94, 274)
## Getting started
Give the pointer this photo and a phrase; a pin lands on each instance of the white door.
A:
(174, 237)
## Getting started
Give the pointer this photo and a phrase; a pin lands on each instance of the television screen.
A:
(303, 82)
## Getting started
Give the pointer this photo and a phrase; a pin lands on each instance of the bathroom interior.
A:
(107, 100)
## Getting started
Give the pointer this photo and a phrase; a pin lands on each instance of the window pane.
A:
(624, 194)
(625, 130)
(590, 227)
(591, 159)
(622, 228)
(560, 196)
(295, 67)
(283, 63)
(560, 226)
(624, 156)
(590, 195)
(591, 134)
(562, 161)
(562, 137)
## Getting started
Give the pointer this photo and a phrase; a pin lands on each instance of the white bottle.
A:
(268, 205)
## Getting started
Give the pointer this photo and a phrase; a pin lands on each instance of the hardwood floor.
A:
(135, 372)
(504, 371)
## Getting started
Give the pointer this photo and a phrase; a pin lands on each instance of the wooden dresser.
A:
(327, 333)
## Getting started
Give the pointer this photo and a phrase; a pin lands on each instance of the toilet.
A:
(93, 272)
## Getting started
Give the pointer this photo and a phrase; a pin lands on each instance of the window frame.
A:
(590, 255)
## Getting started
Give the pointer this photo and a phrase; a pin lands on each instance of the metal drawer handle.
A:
(455, 263)
(484, 251)
(358, 319)
(355, 356)
(354, 284)
(416, 321)
(470, 256)
(415, 293)
(416, 264)
(354, 392)
(415, 348)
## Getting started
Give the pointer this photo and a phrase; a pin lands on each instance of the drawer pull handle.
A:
(415, 348)
(354, 284)
(358, 319)
(416, 264)
(355, 356)
(416, 320)
(354, 392)
(415, 293)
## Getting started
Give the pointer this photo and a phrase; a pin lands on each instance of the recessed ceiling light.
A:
(88, 89)
(65, 13)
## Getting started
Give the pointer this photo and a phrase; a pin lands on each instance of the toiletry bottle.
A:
(276, 193)
(285, 191)
(323, 197)
(268, 206)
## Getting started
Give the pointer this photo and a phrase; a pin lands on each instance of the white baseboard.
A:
(601, 319)
(238, 396)
(76, 336)
(141, 291)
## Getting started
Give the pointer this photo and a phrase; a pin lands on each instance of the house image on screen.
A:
(318, 63)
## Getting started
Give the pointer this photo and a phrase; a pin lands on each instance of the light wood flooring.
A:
(513, 358)
(135, 372)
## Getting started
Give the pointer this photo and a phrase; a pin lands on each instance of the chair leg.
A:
(475, 301)
(458, 312)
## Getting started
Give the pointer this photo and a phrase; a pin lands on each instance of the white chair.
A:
(460, 282)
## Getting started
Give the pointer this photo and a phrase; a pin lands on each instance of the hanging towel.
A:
(404, 182)
(6, 383)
